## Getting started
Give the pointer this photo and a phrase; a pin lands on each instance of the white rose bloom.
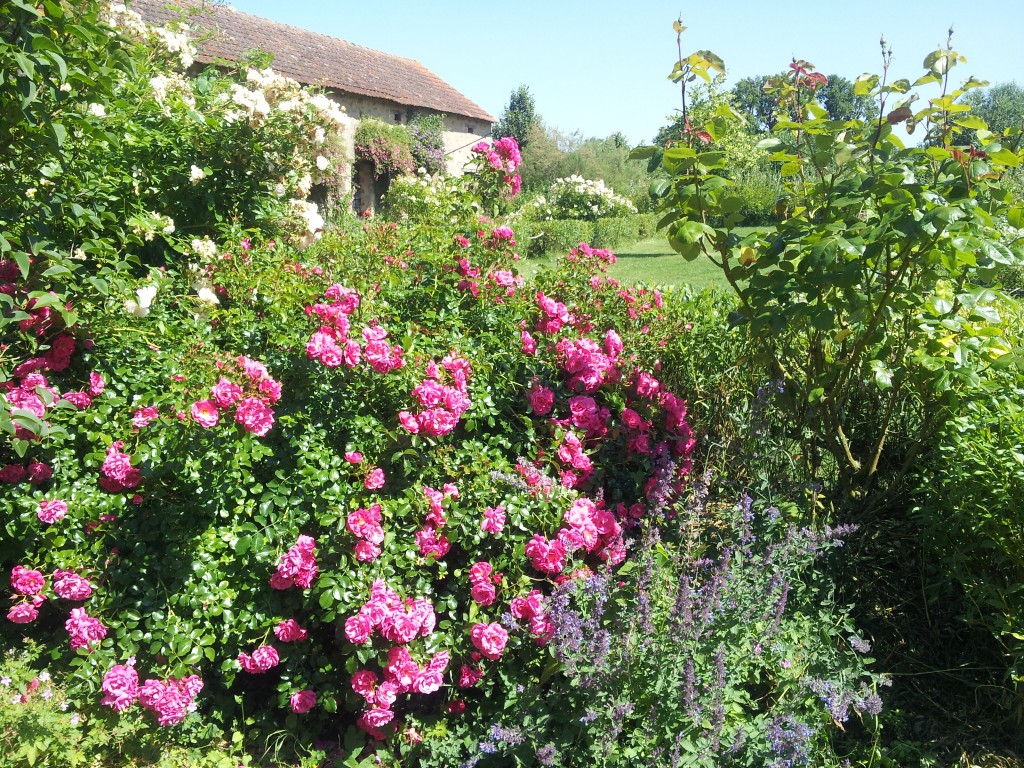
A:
(319, 136)
(97, 110)
(196, 174)
(322, 162)
(65, 87)
(206, 295)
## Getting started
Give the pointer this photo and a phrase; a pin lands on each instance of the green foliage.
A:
(564, 234)
(388, 148)
(612, 232)
(717, 646)
(551, 155)
(864, 301)
(519, 118)
(427, 130)
(1001, 106)
(969, 510)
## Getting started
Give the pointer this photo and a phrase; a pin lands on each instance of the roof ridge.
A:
(317, 58)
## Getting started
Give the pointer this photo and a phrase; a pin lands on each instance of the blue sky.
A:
(597, 68)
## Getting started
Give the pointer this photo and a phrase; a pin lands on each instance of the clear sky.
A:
(600, 66)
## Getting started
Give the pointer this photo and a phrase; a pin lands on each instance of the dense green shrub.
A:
(562, 234)
(388, 148)
(613, 232)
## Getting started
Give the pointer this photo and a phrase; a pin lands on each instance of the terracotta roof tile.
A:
(313, 58)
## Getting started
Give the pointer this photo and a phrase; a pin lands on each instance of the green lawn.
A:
(653, 262)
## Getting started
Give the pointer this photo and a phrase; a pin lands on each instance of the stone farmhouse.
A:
(366, 82)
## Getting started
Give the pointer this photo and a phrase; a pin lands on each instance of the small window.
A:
(398, 117)
(470, 128)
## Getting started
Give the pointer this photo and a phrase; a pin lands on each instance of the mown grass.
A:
(652, 262)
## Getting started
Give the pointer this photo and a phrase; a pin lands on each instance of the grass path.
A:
(653, 262)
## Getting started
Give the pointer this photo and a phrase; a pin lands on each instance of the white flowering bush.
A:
(578, 198)
(422, 195)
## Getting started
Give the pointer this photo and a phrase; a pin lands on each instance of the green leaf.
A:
(643, 153)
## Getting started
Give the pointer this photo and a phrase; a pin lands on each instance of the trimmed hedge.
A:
(559, 235)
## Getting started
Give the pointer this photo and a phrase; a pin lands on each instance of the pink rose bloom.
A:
(171, 700)
(302, 701)
(289, 631)
(469, 676)
(205, 413)
(52, 511)
(358, 628)
(364, 682)
(120, 687)
(263, 658)
(366, 551)
(38, 472)
(353, 457)
(374, 480)
(409, 422)
(145, 416)
(270, 389)
(542, 400)
(428, 681)
(483, 593)
(489, 639)
(12, 473)
(353, 353)
(23, 613)
(527, 607)
(26, 581)
(494, 520)
(528, 342)
(96, 384)
(84, 629)
(70, 586)
(376, 717)
(255, 416)
(225, 394)
(80, 400)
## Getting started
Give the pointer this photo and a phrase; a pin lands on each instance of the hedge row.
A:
(561, 235)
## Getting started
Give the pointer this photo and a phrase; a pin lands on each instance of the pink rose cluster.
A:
(531, 609)
(402, 675)
(589, 526)
(483, 581)
(84, 629)
(504, 157)
(331, 344)
(252, 401)
(442, 404)
(263, 658)
(298, 566)
(365, 525)
(584, 251)
(171, 699)
(51, 511)
(118, 474)
(67, 585)
(397, 620)
(430, 542)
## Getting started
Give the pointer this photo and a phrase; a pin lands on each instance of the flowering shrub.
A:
(334, 490)
(578, 198)
(388, 148)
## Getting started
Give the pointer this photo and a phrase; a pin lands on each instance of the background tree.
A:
(518, 118)
(1001, 106)
(841, 103)
(756, 105)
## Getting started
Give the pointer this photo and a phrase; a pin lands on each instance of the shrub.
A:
(578, 198)
(427, 131)
(562, 234)
(715, 646)
(613, 232)
(388, 148)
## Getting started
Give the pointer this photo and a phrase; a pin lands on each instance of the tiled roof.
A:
(312, 58)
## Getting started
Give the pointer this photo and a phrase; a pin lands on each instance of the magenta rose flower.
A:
(120, 687)
(205, 413)
(51, 511)
(26, 581)
(489, 639)
(23, 613)
(263, 658)
(302, 701)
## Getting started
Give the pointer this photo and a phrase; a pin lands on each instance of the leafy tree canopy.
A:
(1001, 106)
(518, 118)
